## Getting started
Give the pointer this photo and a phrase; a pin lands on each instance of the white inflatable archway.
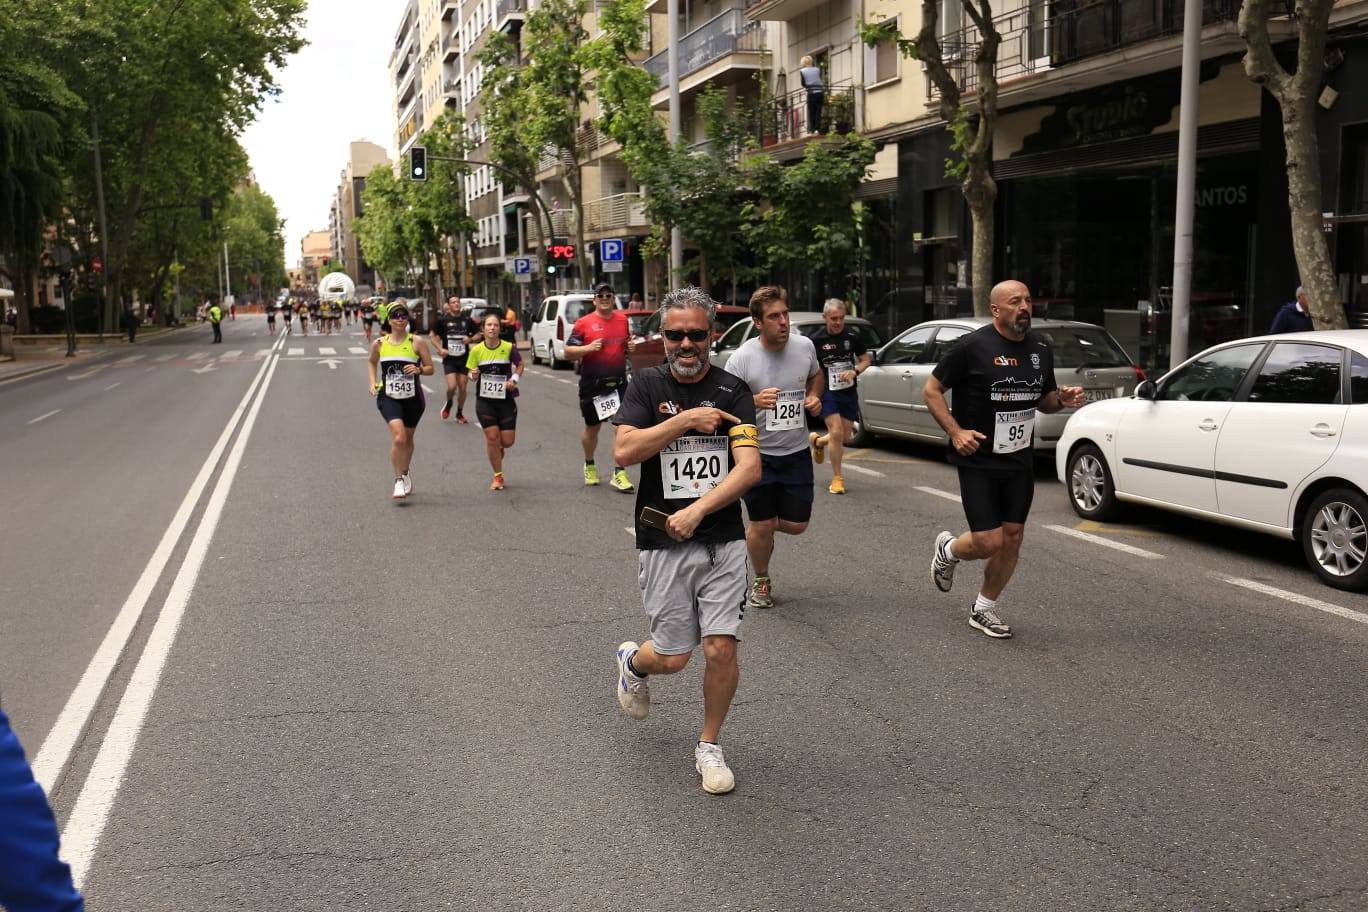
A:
(336, 286)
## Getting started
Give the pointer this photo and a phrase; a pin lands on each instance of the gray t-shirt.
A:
(783, 430)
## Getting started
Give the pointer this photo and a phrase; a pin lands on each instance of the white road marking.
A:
(629, 530)
(41, 417)
(89, 373)
(263, 353)
(357, 350)
(91, 811)
(130, 359)
(937, 492)
(325, 350)
(1106, 542)
(110, 387)
(295, 351)
(55, 753)
(1298, 598)
(196, 356)
(164, 358)
(862, 470)
(232, 354)
(427, 389)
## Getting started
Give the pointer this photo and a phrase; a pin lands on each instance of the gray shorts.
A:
(691, 591)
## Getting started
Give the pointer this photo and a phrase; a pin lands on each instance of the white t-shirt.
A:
(782, 429)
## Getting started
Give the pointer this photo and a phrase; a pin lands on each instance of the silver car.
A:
(890, 392)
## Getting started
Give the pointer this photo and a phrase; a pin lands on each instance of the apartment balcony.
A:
(620, 212)
(550, 160)
(510, 14)
(1076, 44)
(451, 9)
(724, 49)
(785, 122)
(780, 10)
(451, 46)
(593, 142)
(451, 87)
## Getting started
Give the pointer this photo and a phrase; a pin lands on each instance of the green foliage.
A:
(805, 215)
(256, 244)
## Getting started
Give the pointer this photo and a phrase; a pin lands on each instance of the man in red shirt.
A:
(602, 339)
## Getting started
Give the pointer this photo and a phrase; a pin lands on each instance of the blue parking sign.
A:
(610, 251)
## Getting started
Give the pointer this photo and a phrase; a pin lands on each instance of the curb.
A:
(34, 371)
(100, 355)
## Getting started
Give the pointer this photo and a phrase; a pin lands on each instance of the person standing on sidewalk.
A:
(782, 368)
(844, 357)
(601, 340)
(33, 877)
(691, 426)
(1294, 316)
(216, 321)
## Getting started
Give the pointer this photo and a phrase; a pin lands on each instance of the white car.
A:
(552, 324)
(1269, 434)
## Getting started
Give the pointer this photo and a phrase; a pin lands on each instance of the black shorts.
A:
(588, 391)
(408, 411)
(369, 321)
(455, 366)
(992, 497)
(270, 318)
(784, 490)
(499, 413)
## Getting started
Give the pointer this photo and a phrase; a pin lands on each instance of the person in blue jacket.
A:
(1294, 316)
(33, 878)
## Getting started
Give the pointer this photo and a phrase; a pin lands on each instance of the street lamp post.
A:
(62, 257)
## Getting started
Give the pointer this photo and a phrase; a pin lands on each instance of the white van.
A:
(552, 324)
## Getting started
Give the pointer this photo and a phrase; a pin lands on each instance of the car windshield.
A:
(1084, 346)
(868, 334)
(577, 307)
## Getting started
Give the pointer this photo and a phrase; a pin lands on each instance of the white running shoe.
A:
(399, 492)
(408, 483)
(633, 693)
(712, 766)
(942, 570)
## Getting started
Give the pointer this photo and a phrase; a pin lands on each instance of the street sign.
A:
(522, 270)
(611, 254)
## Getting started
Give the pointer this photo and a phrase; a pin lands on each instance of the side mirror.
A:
(1147, 390)
(875, 358)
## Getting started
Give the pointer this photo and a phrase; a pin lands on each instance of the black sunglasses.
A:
(398, 316)
(693, 335)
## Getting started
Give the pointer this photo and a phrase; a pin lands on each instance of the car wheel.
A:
(1091, 491)
(1334, 535)
(551, 359)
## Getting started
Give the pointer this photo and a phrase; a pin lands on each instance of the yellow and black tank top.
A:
(394, 383)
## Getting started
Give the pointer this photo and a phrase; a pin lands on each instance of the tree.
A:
(503, 103)
(1296, 95)
(380, 228)
(255, 237)
(147, 78)
(971, 128)
(805, 214)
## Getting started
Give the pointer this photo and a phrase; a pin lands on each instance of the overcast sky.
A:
(334, 91)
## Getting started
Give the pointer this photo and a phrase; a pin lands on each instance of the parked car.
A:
(650, 345)
(478, 308)
(552, 324)
(805, 322)
(1269, 434)
(890, 392)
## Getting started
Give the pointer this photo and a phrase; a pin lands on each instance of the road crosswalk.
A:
(203, 362)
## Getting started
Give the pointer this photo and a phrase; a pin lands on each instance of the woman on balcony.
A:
(810, 77)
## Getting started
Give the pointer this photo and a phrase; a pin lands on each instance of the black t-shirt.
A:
(653, 396)
(997, 384)
(451, 328)
(844, 348)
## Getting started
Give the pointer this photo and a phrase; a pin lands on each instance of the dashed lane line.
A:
(161, 359)
(237, 352)
(1297, 599)
(130, 359)
(110, 387)
(294, 351)
(44, 416)
(937, 492)
(357, 350)
(196, 356)
(1106, 542)
(326, 350)
(863, 471)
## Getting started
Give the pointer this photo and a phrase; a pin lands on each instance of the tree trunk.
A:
(981, 192)
(1296, 95)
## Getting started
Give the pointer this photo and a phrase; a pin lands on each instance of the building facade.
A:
(362, 158)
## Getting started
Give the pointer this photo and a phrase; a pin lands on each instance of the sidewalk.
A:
(30, 358)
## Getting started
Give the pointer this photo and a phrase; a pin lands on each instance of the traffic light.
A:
(418, 163)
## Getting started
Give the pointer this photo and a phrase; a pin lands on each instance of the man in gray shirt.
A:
(783, 371)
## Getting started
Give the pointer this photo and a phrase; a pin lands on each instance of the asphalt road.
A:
(398, 707)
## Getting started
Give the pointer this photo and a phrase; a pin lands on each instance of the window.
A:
(1214, 377)
(908, 347)
(733, 337)
(1296, 373)
(1085, 348)
(881, 61)
(1358, 379)
(945, 340)
(949, 28)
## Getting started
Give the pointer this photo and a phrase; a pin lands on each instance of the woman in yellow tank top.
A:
(396, 361)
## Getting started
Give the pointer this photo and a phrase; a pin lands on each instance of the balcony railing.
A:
(623, 210)
(550, 158)
(508, 8)
(788, 117)
(1034, 39)
(725, 33)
